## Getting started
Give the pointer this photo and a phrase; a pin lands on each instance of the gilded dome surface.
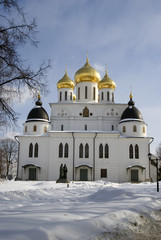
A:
(66, 82)
(107, 82)
(87, 74)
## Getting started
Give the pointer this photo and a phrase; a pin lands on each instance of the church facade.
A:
(88, 132)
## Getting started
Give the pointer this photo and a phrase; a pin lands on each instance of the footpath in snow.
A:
(84, 211)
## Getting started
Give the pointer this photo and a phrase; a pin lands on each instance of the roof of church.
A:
(131, 112)
(38, 113)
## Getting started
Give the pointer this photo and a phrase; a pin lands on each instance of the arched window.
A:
(106, 151)
(81, 150)
(136, 151)
(143, 129)
(112, 97)
(71, 96)
(102, 96)
(34, 128)
(36, 150)
(131, 151)
(86, 92)
(60, 96)
(86, 150)
(45, 129)
(85, 112)
(134, 128)
(66, 150)
(108, 96)
(60, 150)
(85, 127)
(94, 93)
(101, 151)
(79, 93)
(65, 95)
(30, 150)
(112, 127)
(25, 128)
(124, 129)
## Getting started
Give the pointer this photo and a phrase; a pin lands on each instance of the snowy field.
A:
(84, 211)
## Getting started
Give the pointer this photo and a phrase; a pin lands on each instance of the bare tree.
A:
(158, 151)
(9, 153)
(15, 31)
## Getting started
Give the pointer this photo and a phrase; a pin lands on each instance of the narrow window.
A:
(65, 95)
(94, 93)
(30, 150)
(34, 128)
(66, 150)
(60, 150)
(25, 128)
(106, 151)
(36, 150)
(86, 92)
(45, 129)
(103, 173)
(101, 95)
(86, 150)
(60, 96)
(124, 129)
(85, 127)
(62, 127)
(79, 93)
(136, 151)
(134, 128)
(112, 127)
(71, 96)
(131, 151)
(81, 150)
(108, 96)
(143, 129)
(101, 151)
(112, 97)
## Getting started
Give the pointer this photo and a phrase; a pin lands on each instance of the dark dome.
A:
(38, 113)
(131, 113)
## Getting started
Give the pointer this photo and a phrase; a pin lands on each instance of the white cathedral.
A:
(95, 137)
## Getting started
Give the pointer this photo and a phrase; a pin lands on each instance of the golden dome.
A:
(66, 82)
(107, 82)
(87, 74)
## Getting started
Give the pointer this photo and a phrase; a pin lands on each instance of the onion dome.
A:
(87, 74)
(38, 113)
(66, 82)
(131, 113)
(107, 82)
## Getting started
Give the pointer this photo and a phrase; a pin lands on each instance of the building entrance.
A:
(134, 176)
(83, 174)
(32, 173)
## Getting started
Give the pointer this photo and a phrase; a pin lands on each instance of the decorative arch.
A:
(36, 150)
(86, 150)
(60, 150)
(131, 151)
(81, 150)
(66, 150)
(85, 112)
(31, 150)
(101, 151)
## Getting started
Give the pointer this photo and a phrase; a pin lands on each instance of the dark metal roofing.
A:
(38, 113)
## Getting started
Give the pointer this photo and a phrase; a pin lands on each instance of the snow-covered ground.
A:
(84, 210)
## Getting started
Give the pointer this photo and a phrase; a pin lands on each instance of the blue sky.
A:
(124, 34)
